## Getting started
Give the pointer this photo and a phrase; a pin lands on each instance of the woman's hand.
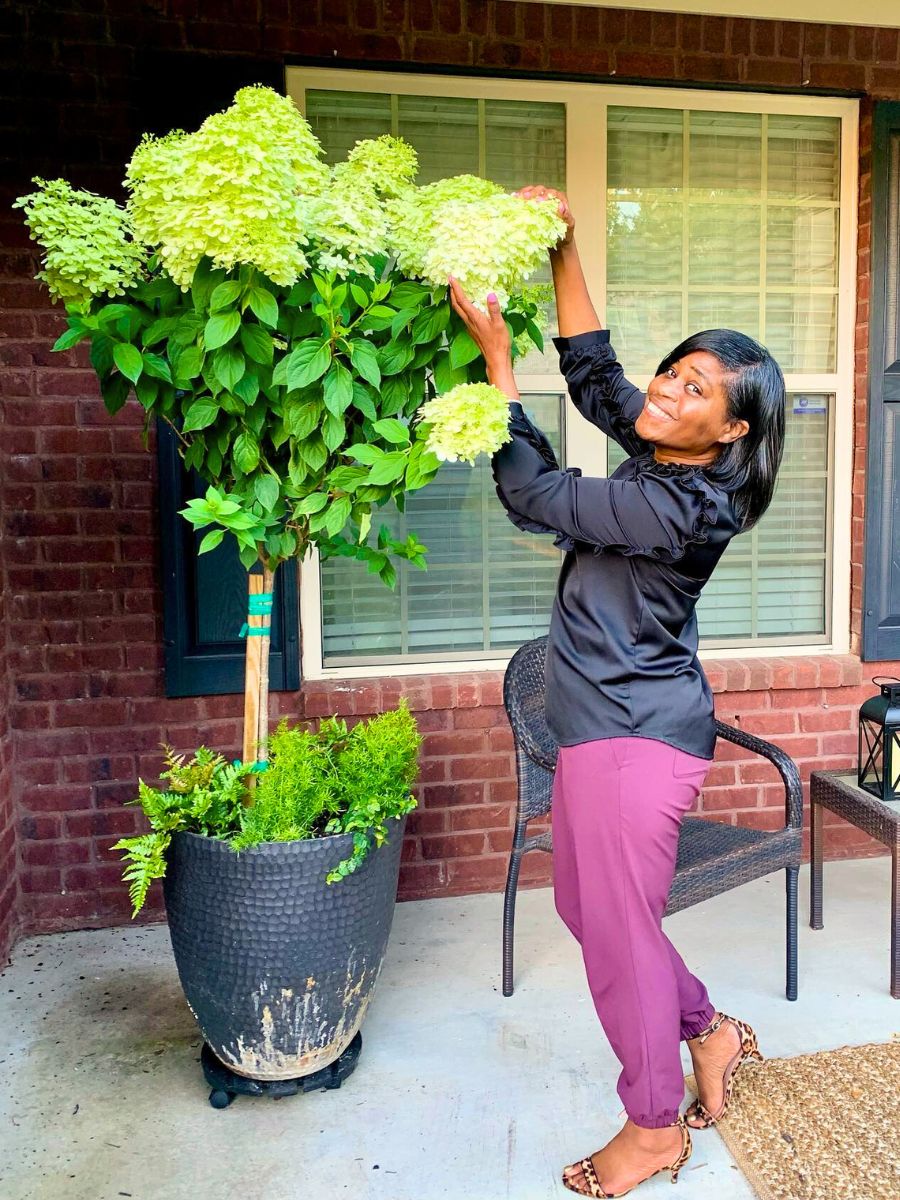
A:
(538, 192)
(490, 334)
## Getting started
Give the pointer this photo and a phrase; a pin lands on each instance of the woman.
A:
(626, 697)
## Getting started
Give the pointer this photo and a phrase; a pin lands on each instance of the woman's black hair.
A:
(754, 388)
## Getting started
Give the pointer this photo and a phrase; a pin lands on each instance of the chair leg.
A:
(509, 914)
(793, 875)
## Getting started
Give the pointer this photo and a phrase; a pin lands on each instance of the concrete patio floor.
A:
(460, 1094)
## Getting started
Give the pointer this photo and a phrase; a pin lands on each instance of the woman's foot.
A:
(717, 1053)
(633, 1155)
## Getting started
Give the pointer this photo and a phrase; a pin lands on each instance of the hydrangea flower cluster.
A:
(89, 249)
(233, 190)
(468, 420)
(470, 228)
(389, 164)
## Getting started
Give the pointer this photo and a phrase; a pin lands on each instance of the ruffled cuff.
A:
(594, 376)
(520, 426)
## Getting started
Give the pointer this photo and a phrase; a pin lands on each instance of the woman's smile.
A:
(655, 410)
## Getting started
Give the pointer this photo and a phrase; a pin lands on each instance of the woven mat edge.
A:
(732, 1143)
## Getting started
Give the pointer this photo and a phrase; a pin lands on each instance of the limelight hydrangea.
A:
(232, 191)
(471, 229)
(387, 163)
(470, 419)
(89, 249)
(345, 223)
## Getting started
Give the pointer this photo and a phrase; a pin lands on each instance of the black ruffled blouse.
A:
(622, 652)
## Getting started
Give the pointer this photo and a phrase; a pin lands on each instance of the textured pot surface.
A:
(277, 965)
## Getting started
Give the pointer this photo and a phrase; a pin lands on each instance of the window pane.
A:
(488, 586)
(770, 582)
(746, 220)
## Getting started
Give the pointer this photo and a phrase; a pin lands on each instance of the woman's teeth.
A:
(658, 412)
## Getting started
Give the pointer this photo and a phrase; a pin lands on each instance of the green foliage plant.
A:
(333, 780)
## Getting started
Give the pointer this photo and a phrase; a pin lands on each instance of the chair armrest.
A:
(783, 763)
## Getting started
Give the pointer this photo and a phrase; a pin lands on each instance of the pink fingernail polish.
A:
(492, 297)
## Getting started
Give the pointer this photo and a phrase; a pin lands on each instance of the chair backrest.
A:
(523, 698)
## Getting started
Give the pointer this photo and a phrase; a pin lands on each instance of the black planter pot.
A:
(277, 965)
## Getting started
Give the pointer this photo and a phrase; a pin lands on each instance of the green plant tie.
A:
(259, 605)
(256, 769)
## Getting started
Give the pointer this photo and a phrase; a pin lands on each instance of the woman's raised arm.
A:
(575, 309)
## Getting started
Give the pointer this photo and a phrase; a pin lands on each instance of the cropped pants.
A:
(617, 809)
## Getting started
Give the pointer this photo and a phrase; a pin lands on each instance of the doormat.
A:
(823, 1126)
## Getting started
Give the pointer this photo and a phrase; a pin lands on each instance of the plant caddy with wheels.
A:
(291, 323)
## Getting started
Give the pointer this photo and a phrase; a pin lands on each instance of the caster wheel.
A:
(219, 1099)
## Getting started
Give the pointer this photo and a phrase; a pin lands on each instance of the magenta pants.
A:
(617, 810)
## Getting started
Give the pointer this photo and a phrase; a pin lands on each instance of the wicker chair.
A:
(712, 857)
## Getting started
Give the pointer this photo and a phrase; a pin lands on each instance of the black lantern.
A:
(879, 742)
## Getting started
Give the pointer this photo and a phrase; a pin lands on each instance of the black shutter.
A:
(205, 598)
(881, 577)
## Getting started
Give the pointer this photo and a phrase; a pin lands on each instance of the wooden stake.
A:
(253, 658)
(263, 699)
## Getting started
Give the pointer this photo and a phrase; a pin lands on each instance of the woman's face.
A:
(686, 409)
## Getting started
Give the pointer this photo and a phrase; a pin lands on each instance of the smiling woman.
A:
(626, 697)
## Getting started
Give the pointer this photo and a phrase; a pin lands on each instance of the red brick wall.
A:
(86, 708)
(9, 880)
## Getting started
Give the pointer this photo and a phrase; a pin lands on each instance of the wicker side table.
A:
(837, 791)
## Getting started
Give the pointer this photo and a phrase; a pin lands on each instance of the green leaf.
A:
(359, 294)
(229, 366)
(395, 356)
(189, 363)
(246, 452)
(534, 332)
(160, 329)
(115, 393)
(462, 349)
(188, 327)
(212, 539)
(365, 360)
(308, 363)
(157, 366)
(302, 418)
(225, 295)
(102, 354)
(333, 431)
(200, 415)
(365, 524)
(446, 376)
(388, 574)
(128, 359)
(365, 453)
(71, 338)
(263, 305)
(338, 388)
(313, 452)
(363, 401)
(393, 430)
(401, 321)
(409, 295)
(247, 387)
(337, 516)
(266, 489)
(147, 390)
(257, 343)
(393, 395)
(423, 466)
(390, 468)
(312, 503)
(430, 323)
(220, 329)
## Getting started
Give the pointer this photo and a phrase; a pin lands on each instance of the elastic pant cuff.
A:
(691, 1029)
(658, 1121)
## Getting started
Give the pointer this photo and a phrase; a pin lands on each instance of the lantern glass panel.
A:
(871, 755)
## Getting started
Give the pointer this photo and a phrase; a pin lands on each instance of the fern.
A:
(333, 780)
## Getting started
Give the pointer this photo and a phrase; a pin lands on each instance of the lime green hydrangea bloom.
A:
(470, 228)
(387, 163)
(232, 191)
(346, 223)
(89, 248)
(470, 419)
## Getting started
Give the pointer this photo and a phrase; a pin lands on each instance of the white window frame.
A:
(586, 105)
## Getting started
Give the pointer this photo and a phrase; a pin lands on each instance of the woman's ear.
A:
(734, 431)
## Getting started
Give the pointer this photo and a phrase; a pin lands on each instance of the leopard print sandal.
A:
(597, 1191)
(749, 1050)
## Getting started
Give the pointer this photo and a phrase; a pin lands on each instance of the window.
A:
(694, 210)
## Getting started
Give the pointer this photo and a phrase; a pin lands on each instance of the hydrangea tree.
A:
(291, 322)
